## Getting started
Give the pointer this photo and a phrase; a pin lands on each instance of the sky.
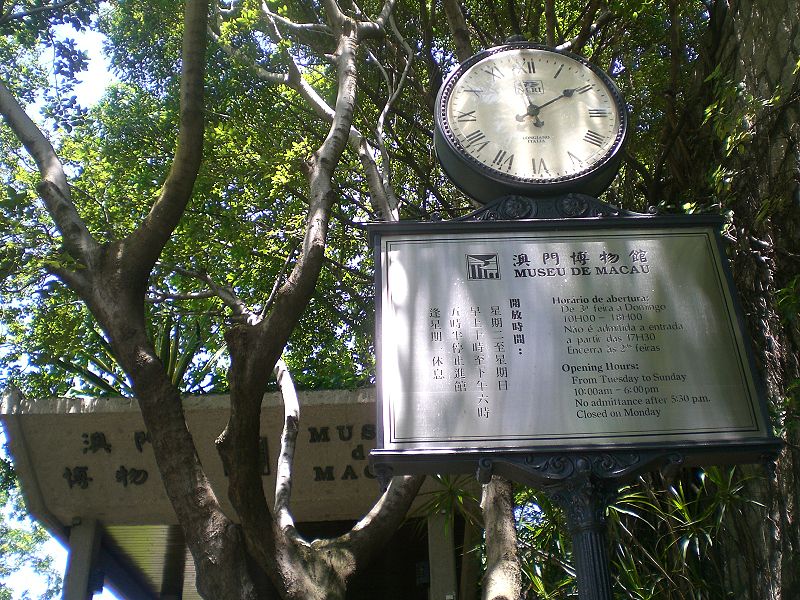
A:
(93, 84)
(95, 80)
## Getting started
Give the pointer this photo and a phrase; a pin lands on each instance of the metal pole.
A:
(584, 502)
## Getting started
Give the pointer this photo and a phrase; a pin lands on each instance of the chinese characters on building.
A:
(96, 441)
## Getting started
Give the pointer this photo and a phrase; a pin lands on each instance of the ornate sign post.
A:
(549, 337)
(570, 355)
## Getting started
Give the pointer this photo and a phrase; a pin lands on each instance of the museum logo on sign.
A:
(483, 266)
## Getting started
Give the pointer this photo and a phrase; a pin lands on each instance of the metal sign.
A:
(590, 333)
(566, 354)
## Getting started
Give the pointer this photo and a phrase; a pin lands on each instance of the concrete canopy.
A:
(84, 461)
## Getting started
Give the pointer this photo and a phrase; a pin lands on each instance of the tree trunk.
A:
(503, 578)
(754, 48)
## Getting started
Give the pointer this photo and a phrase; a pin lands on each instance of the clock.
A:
(524, 119)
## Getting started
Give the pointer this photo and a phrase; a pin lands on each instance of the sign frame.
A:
(641, 456)
(582, 479)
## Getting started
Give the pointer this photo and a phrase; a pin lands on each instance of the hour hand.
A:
(564, 94)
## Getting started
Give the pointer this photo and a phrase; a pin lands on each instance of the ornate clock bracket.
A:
(564, 206)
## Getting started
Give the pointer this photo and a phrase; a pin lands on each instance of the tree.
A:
(752, 67)
(112, 279)
(286, 131)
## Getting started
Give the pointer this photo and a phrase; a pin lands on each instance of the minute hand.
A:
(565, 94)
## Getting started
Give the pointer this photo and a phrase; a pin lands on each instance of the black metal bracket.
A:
(384, 474)
(544, 470)
(564, 206)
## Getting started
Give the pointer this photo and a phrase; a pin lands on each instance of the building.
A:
(88, 474)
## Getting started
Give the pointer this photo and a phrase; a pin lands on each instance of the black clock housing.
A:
(525, 91)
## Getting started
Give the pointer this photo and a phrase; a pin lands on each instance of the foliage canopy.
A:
(207, 217)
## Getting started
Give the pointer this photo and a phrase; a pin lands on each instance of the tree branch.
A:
(301, 282)
(639, 167)
(513, 17)
(300, 27)
(382, 194)
(146, 242)
(550, 21)
(9, 16)
(335, 15)
(156, 296)
(283, 475)
(296, 81)
(53, 189)
(374, 530)
(503, 578)
(458, 28)
(278, 278)
(226, 294)
(256, 349)
(589, 29)
(391, 211)
(374, 29)
(477, 28)
(386, 13)
(379, 185)
(261, 73)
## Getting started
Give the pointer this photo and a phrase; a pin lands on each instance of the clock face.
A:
(531, 116)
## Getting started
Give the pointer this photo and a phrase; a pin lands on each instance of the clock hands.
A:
(533, 109)
(565, 94)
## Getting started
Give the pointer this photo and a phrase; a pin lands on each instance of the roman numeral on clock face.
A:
(599, 112)
(503, 160)
(476, 140)
(539, 166)
(594, 138)
(525, 66)
(494, 72)
(464, 117)
(575, 160)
